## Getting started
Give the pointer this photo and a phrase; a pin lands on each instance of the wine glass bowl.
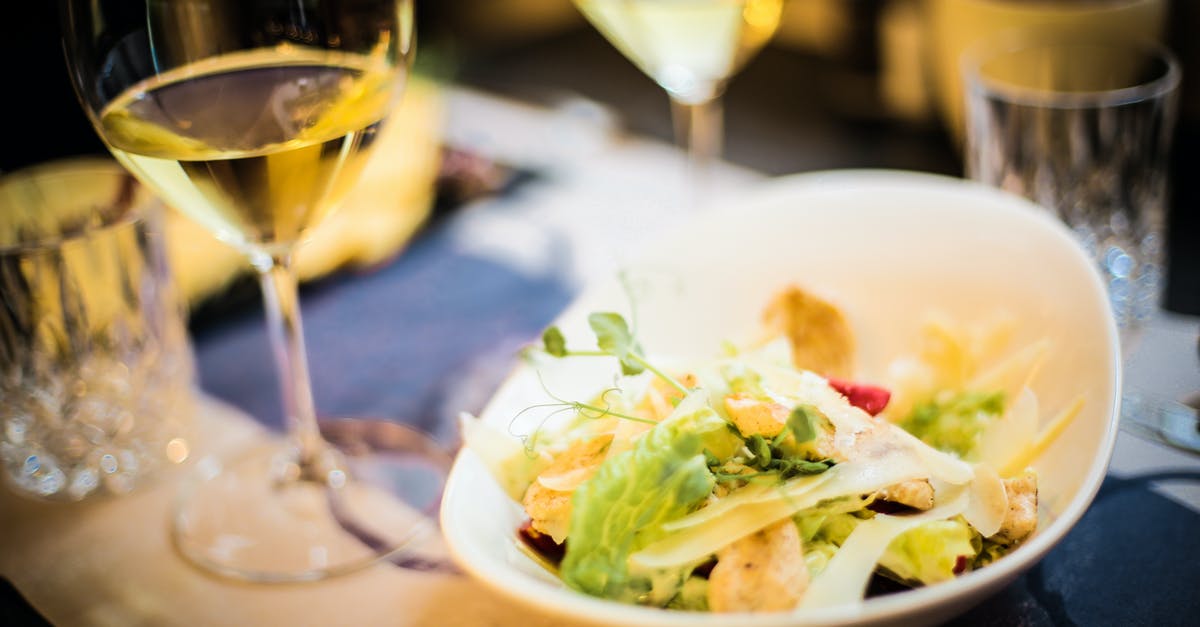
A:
(257, 137)
(254, 118)
(690, 48)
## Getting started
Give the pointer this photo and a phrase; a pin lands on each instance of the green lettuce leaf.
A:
(829, 525)
(623, 506)
(988, 551)
(817, 555)
(692, 596)
(955, 423)
(931, 552)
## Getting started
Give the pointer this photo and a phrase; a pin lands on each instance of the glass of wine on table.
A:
(691, 48)
(254, 118)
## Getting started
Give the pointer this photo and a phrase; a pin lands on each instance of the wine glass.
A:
(691, 48)
(254, 118)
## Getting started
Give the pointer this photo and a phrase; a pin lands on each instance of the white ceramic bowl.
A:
(887, 247)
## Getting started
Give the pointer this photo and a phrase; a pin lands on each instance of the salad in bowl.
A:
(851, 398)
(762, 480)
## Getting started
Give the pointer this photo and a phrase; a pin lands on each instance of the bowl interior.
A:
(888, 248)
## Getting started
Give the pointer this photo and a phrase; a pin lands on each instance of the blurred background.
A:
(844, 84)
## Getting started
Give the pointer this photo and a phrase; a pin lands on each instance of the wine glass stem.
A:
(281, 297)
(698, 128)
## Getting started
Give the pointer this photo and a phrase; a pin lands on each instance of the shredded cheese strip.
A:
(1014, 373)
(844, 579)
(1004, 439)
(1044, 439)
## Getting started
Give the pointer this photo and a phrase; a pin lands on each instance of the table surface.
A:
(432, 333)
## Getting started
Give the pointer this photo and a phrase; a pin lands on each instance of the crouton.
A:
(821, 338)
(915, 493)
(1021, 519)
(549, 508)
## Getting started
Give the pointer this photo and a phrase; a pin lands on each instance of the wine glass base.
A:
(248, 518)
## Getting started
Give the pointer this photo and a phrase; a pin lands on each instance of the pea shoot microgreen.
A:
(602, 407)
(614, 338)
(774, 456)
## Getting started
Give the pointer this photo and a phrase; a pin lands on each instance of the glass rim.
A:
(975, 56)
(83, 165)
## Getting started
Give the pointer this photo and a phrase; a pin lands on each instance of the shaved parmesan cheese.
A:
(942, 466)
(695, 542)
(1044, 439)
(1004, 439)
(844, 579)
(1014, 373)
(987, 501)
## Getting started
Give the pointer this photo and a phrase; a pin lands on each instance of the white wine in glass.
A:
(268, 158)
(254, 118)
(691, 48)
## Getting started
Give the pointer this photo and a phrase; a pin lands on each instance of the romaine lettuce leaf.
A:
(931, 552)
(623, 506)
(817, 555)
(844, 578)
(692, 596)
(836, 528)
(955, 423)
(988, 551)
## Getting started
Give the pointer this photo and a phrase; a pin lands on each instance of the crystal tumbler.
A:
(1083, 128)
(95, 365)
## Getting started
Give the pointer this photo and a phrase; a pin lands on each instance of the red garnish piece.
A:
(869, 398)
(960, 565)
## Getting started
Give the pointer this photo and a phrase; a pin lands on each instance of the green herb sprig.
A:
(769, 456)
(584, 410)
(613, 339)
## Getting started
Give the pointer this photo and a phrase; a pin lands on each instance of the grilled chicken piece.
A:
(549, 509)
(762, 572)
(915, 493)
(1021, 518)
(820, 336)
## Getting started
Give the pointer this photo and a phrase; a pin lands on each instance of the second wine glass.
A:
(691, 48)
(254, 118)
